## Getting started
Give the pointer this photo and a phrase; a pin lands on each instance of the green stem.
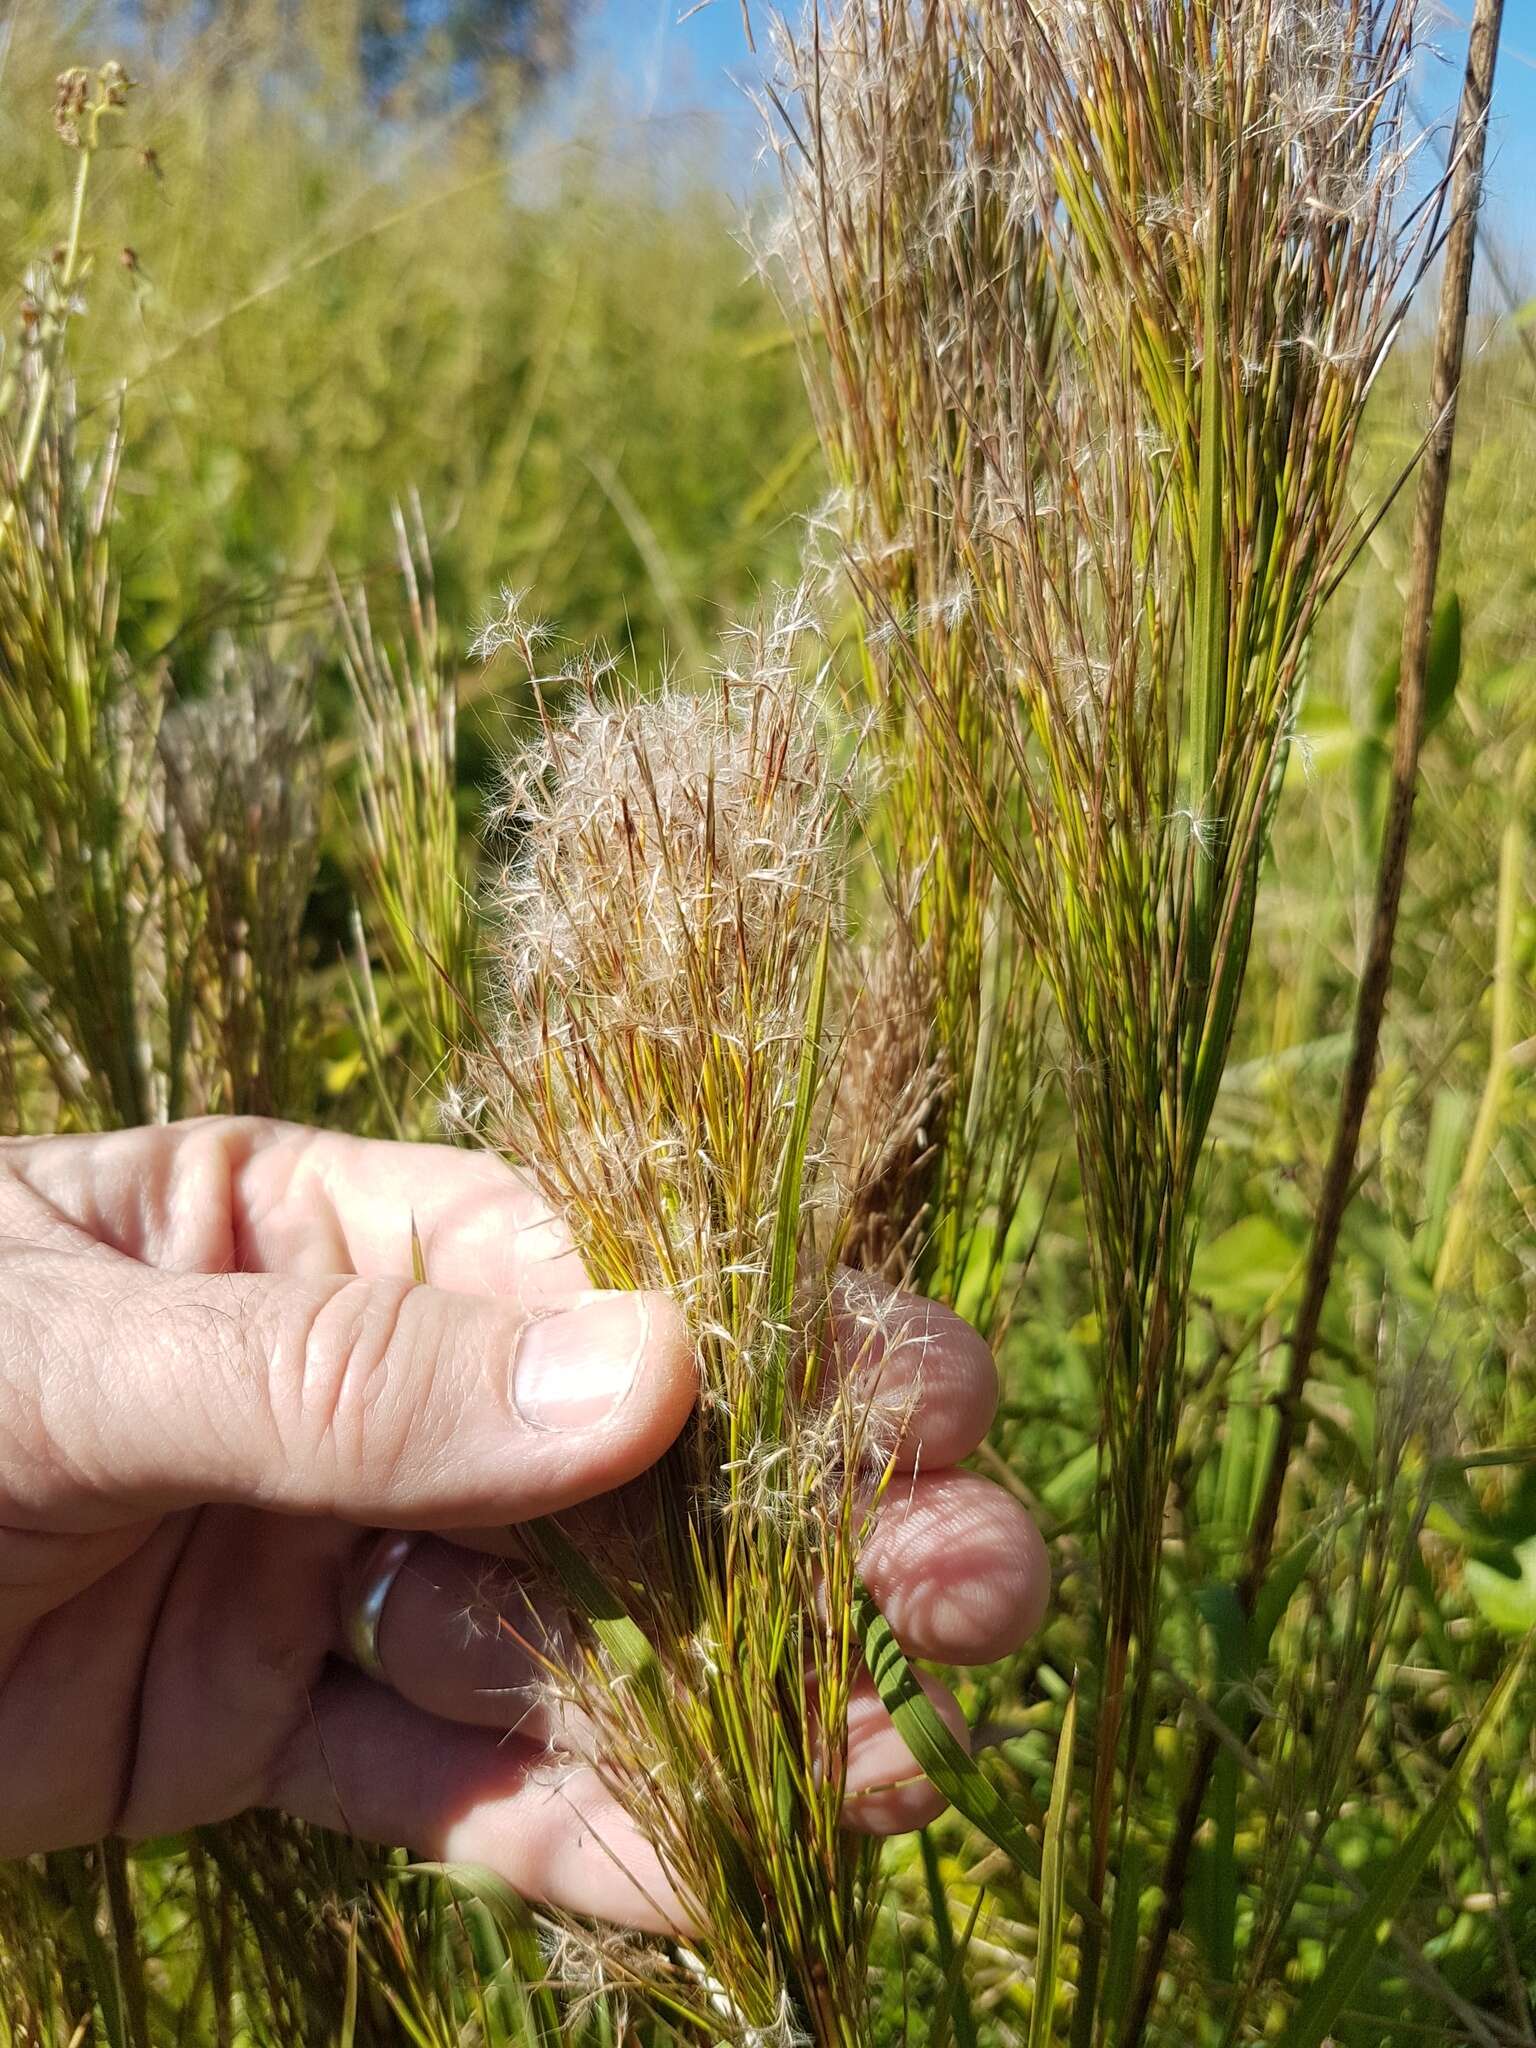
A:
(1501, 1046)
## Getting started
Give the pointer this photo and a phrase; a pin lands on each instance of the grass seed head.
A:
(666, 1061)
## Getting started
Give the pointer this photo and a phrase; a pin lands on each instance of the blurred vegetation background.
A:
(339, 254)
(314, 293)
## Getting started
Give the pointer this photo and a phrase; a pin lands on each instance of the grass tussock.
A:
(988, 917)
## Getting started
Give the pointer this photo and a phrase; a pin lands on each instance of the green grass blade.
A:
(957, 2006)
(600, 1607)
(1280, 1588)
(1207, 652)
(1351, 1958)
(787, 1227)
(1124, 1925)
(940, 1757)
(1215, 1894)
(347, 2037)
(106, 1986)
(1441, 675)
(132, 1990)
(953, 1995)
(515, 1923)
(1053, 1885)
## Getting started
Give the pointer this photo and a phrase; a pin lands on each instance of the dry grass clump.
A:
(893, 1102)
(666, 1063)
(242, 834)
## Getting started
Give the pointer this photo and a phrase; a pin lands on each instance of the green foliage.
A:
(324, 310)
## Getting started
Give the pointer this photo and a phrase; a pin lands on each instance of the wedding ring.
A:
(380, 1569)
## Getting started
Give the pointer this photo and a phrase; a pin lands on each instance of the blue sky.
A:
(663, 69)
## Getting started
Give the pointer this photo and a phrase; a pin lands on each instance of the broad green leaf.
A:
(1454, 1511)
(1221, 1611)
(1248, 1266)
(1216, 1889)
(1072, 1483)
(1373, 755)
(1369, 766)
(157, 1848)
(1279, 1589)
(1450, 1120)
(1507, 1598)
(1498, 1547)
(1232, 1476)
(1441, 675)
(1516, 1520)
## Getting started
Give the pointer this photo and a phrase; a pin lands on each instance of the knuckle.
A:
(342, 1399)
(45, 1327)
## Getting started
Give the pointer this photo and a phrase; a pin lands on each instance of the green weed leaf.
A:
(1441, 675)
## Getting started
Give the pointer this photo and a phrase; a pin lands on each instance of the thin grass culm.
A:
(1126, 276)
(667, 1061)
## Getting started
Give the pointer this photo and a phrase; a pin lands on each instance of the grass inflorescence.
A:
(664, 1065)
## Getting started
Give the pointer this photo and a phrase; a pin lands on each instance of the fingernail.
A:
(575, 1367)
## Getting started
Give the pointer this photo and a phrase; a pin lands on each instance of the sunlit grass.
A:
(592, 401)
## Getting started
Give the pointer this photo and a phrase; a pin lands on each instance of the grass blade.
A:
(1207, 669)
(515, 1922)
(348, 2033)
(1053, 1885)
(1351, 1958)
(957, 2008)
(943, 1762)
(786, 1236)
(953, 1997)
(601, 1608)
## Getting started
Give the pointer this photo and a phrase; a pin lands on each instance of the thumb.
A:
(372, 1400)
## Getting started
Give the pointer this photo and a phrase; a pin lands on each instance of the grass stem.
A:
(1375, 980)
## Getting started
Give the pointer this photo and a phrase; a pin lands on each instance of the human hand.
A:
(218, 1382)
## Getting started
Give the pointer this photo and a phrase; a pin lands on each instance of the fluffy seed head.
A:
(679, 858)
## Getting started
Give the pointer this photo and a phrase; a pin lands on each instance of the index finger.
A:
(483, 1228)
(253, 1195)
